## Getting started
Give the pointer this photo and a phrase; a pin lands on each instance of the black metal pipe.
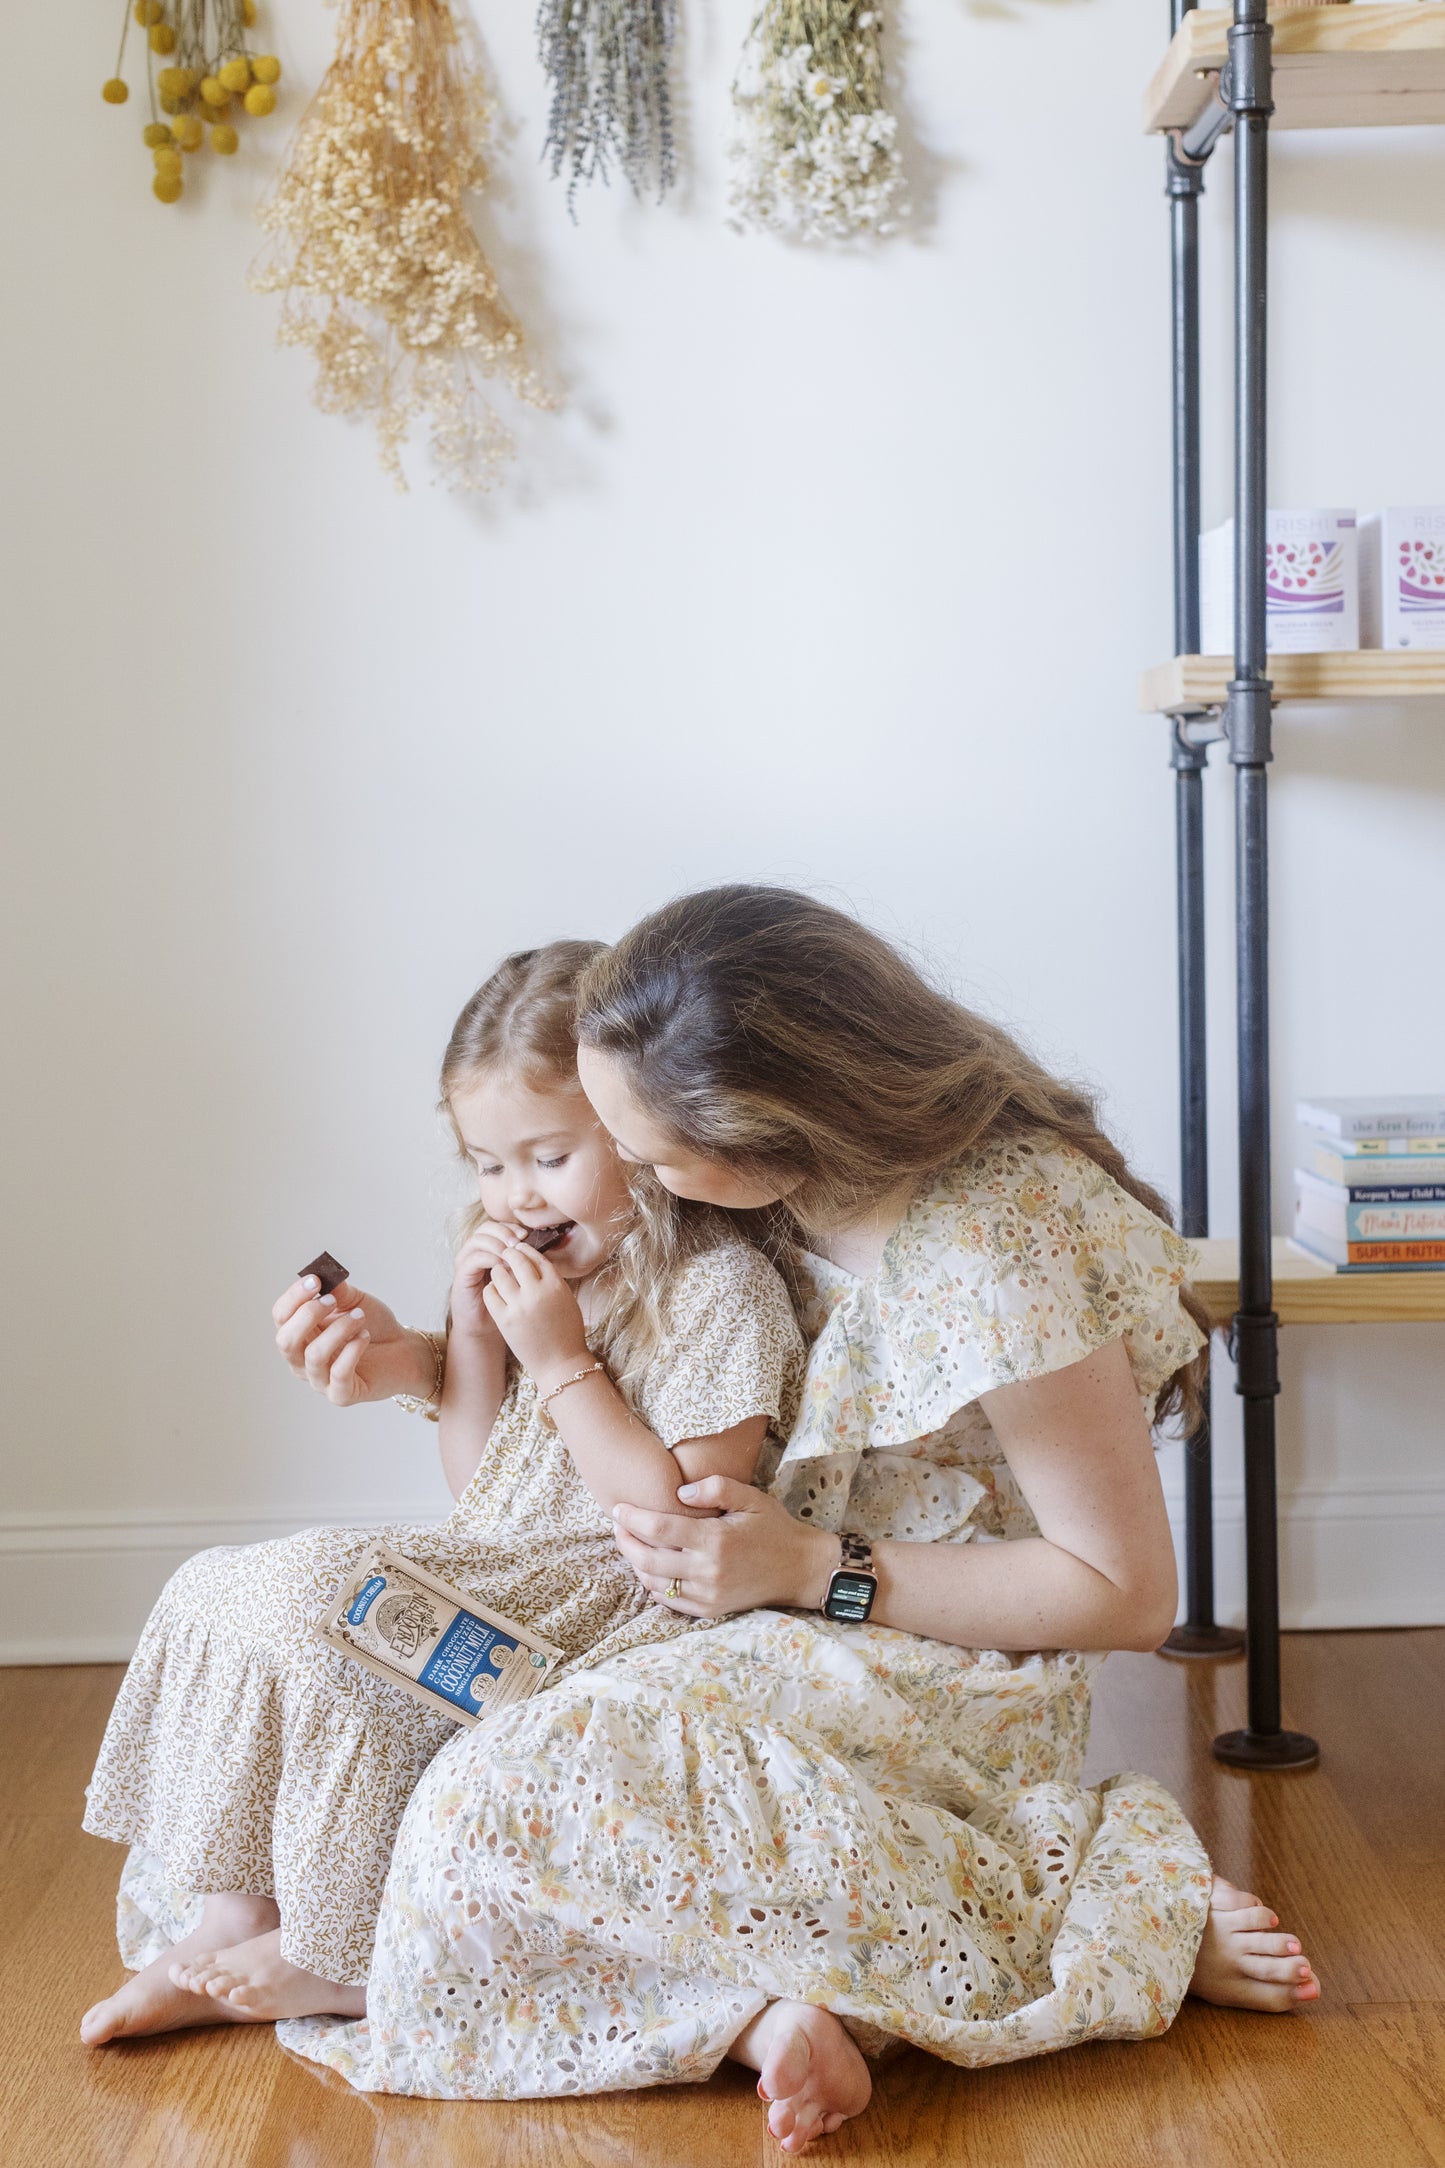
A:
(1262, 1744)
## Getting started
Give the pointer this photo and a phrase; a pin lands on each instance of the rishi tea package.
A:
(1311, 590)
(438, 1645)
(1402, 577)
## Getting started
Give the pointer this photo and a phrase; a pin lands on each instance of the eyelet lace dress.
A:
(243, 1754)
(601, 1888)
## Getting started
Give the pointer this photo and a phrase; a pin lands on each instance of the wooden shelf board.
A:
(1307, 1293)
(1355, 66)
(1201, 681)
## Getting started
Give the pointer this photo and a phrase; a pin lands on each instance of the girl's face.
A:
(544, 1160)
(640, 1141)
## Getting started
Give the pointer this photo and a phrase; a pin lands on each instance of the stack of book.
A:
(1370, 1183)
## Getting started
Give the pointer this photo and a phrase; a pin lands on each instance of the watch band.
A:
(854, 1586)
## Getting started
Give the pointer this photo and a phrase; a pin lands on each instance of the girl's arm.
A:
(474, 1382)
(1100, 1574)
(616, 1455)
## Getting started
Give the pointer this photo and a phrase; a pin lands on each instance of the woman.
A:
(850, 1815)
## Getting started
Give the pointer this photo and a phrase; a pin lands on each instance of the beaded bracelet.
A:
(575, 1379)
(430, 1407)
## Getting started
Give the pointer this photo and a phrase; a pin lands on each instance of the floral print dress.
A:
(602, 1887)
(245, 1754)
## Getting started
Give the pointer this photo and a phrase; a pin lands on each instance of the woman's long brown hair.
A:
(768, 1030)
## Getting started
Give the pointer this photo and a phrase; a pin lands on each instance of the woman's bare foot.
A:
(254, 1982)
(1244, 1962)
(810, 2072)
(151, 2001)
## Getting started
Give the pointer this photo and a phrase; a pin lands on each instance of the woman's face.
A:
(640, 1140)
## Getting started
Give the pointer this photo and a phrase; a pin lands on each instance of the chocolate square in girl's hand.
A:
(325, 1269)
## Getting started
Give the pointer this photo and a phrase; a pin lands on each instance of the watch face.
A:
(850, 1596)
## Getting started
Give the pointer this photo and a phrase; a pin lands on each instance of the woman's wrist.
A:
(819, 1555)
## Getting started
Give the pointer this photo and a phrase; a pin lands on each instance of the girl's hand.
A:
(349, 1346)
(477, 1260)
(537, 1314)
(752, 1553)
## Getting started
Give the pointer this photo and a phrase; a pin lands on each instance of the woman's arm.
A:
(1100, 1574)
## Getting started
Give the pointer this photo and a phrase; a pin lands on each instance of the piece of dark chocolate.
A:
(325, 1269)
(544, 1238)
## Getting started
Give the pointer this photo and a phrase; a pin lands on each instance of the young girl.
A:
(852, 1815)
(258, 1775)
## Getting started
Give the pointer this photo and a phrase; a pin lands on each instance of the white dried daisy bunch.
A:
(381, 273)
(815, 150)
(607, 62)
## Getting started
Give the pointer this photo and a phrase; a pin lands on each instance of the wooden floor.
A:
(1352, 1854)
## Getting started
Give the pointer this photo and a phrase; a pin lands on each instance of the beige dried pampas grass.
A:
(381, 274)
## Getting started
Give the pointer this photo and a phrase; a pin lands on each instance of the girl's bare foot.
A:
(151, 2001)
(810, 2072)
(254, 1982)
(1244, 1962)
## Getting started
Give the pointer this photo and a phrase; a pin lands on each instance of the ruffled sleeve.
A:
(732, 1348)
(1012, 1264)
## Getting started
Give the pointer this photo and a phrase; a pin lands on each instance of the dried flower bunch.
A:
(816, 152)
(607, 61)
(210, 76)
(382, 275)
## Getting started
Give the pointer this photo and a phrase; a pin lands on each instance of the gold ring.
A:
(674, 1587)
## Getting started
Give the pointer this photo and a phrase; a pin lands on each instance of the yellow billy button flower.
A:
(235, 74)
(214, 92)
(248, 12)
(225, 141)
(163, 39)
(169, 187)
(172, 83)
(115, 91)
(188, 132)
(147, 12)
(169, 102)
(154, 134)
(260, 100)
(266, 68)
(167, 160)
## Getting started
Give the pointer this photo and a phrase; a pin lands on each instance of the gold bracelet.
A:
(430, 1407)
(575, 1379)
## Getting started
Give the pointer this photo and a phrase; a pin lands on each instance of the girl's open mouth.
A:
(547, 1238)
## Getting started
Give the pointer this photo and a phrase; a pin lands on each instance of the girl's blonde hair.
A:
(522, 1023)
(768, 1030)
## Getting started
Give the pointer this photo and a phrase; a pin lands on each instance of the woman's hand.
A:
(753, 1552)
(349, 1346)
(537, 1314)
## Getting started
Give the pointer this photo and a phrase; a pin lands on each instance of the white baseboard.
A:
(1349, 1556)
(76, 1586)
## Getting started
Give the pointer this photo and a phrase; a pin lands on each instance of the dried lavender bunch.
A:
(607, 61)
(381, 273)
(816, 150)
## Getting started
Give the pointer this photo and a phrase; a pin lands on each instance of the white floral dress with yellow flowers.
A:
(244, 1754)
(601, 1888)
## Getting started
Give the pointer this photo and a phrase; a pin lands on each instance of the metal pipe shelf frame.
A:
(1242, 107)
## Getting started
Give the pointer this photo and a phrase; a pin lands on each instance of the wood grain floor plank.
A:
(1349, 1853)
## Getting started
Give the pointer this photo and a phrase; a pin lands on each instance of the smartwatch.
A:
(855, 1584)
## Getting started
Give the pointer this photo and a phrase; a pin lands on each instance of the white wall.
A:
(838, 571)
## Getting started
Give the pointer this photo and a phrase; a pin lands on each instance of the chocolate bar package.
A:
(439, 1646)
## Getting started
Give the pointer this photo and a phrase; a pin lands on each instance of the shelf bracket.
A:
(1192, 146)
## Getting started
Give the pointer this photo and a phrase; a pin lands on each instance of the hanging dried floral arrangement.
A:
(816, 149)
(607, 62)
(210, 76)
(382, 275)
